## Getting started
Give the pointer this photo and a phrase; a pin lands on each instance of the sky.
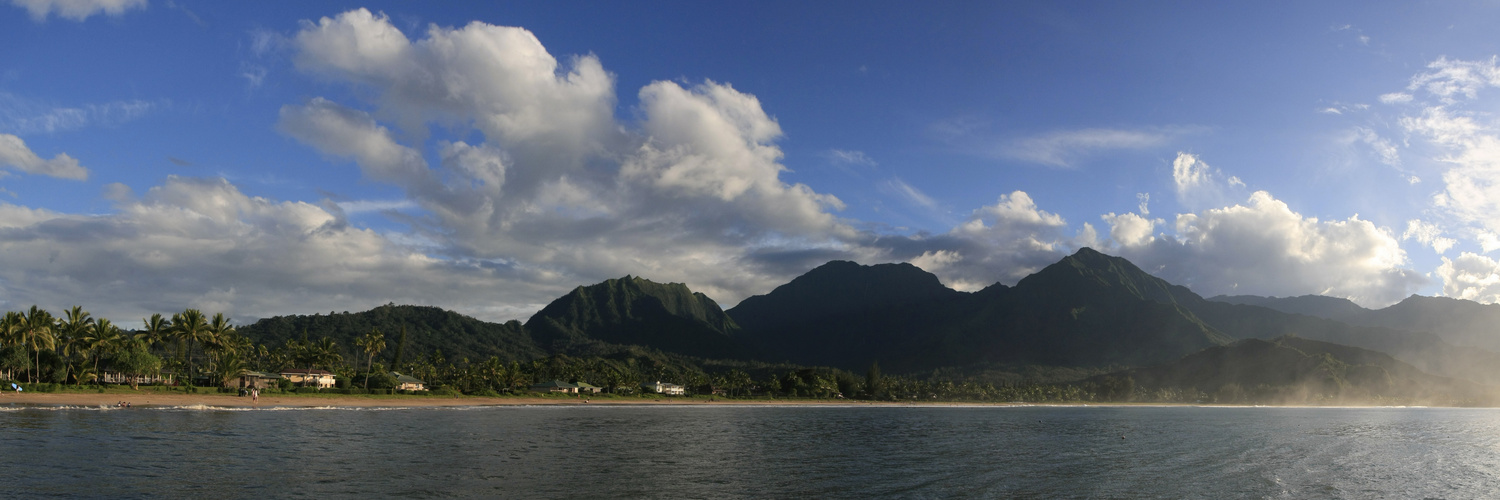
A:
(271, 158)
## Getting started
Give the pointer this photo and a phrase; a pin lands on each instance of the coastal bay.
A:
(674, 450)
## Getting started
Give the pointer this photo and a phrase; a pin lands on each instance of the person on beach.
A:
(254, 394)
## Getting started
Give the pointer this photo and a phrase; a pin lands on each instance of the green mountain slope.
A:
(1086, 310)
(428, 329)
(1408, 331)
(1457, 321)
(847, 315)
(636, 311)
(1294, 370)
(1334, 308)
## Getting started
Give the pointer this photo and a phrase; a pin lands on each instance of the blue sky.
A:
(277, 158)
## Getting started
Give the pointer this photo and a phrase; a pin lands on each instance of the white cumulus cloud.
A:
(194, 242)
(15, 154)
(690, 192)
(1429, 234)
(1472, 277)
(1265, 248)
(1199, 185)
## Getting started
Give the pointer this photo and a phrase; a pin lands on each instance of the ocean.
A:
(750, 452)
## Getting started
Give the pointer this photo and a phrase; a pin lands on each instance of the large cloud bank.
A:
(1263, 247)
(535, 186)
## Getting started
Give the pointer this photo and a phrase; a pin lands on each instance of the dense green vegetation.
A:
(427, 330)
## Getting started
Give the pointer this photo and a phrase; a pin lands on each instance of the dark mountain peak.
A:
(1089, 254)
(846, 270)
(1089, 271)
(1421, 300)
(840, 287)
(632, 310)
(629, 297)
(1335, 308)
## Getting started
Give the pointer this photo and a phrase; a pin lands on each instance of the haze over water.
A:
(764, 452)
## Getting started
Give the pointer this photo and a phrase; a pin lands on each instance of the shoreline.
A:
(168, 400)
(230, 401)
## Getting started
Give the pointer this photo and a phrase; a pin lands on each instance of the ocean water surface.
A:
(751, 452)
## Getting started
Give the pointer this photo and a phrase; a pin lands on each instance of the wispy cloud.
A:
(847, 157)
(254, 74)
(905, 191)
(19, 115)
(366, 206)
(1395, 98)
(76, 10)
(1064, 148)
(1359, 35)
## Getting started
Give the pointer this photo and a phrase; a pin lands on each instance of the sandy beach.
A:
(152, 399)
(159, 400)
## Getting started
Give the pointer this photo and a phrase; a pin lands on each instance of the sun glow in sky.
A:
(277, 158)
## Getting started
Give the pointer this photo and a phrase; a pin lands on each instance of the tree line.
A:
(193, 348)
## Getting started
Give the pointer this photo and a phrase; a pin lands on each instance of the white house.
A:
(408, 382)
(668, 389)
(322, 379)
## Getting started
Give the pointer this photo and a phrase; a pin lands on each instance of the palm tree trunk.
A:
(368, 363)
(190, 378)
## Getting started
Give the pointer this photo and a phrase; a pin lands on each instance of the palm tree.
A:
(372, 343)
(71, 332)
(220, 337)
(189, 326)
(156, 329)
(10, 330)
(326, 353)
(104, 338)
(37, 332)
(230, 365)
(492, 371)
(515, 377)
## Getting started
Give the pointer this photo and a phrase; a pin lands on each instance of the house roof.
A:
(406, 379)
(586, 385)
(554, 383)
(304, 371)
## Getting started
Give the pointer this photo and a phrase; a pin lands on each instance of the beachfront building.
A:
(113, 377)
(668, 389)
(321, 379)
(555, 386)
(585, 387)
(254, 380)
(408, 382)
